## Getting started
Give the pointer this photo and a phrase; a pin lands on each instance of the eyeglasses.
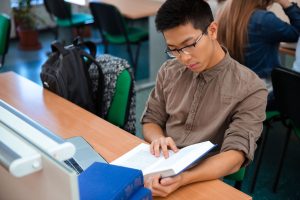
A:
(188, 49)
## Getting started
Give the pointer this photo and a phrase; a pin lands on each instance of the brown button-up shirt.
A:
(224, 104)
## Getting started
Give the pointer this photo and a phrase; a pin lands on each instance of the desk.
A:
(287, 51)
(135, 9)
(67, 120)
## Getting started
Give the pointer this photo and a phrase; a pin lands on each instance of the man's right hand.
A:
(163, 144)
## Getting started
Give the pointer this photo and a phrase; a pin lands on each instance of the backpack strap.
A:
(58, 47)
(78, 42)
(98, 97)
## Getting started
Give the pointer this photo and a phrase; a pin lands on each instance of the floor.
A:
(28, 64)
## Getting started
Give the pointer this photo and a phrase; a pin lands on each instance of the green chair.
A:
(119, 107)
(61, 12)
(238, 177)
(286, 86)
(114, 30)
(271, 117)
(4, 36)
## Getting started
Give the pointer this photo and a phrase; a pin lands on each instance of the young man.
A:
(202, 94)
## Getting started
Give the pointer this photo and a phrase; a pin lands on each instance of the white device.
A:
(16, 156)
(24, 127)
(31, 166)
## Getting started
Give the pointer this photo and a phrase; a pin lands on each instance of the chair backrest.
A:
(108, 19)
(4, 33)
(58, 8)
(237, 176)
(286, 87)
(119, 107)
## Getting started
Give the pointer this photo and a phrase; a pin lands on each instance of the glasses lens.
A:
(188, 50)
(171, 54)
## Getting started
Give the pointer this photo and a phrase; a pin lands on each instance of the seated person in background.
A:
(296, 65)
(201, 94)
(252, 34)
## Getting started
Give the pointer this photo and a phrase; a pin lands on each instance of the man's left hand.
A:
(163, 187)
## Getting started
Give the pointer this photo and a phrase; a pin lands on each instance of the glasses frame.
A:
(181, 50)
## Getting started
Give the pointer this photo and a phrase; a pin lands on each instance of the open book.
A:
(141, 158)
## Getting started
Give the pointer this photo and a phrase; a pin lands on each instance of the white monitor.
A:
(31, 166)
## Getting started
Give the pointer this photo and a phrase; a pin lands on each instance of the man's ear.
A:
(212, 30)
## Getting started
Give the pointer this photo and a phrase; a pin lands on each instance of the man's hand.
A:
(163, 144)
(163, 187)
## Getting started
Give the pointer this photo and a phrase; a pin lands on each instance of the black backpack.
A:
(66, 74)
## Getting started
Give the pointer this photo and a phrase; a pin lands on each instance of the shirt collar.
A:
(211, 73)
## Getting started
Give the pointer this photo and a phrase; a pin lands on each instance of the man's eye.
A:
(172, 50)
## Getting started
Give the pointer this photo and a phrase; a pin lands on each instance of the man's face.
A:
(200, 46)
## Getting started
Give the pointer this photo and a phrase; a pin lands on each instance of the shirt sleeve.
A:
(276, 30)
(155, 110)
(247, 122)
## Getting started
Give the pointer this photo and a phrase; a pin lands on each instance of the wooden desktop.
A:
(67, 119)
(136, 9)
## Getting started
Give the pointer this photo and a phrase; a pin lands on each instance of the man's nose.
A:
(184, 57)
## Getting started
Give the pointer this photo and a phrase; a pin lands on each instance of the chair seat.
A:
(134, 35)
(77, 19)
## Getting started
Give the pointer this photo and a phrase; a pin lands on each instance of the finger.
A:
(152, 148)
(172, 145)
(164, 149)
(155, 180)
(156, 148)
(157, 188)
(148, 182)
(167, 181)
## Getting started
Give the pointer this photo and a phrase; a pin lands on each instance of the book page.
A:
(182, 159)
(138, 158)
(141, 158)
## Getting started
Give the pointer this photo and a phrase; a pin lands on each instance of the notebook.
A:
(85, 155)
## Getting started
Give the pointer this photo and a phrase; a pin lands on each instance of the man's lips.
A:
(191, 66)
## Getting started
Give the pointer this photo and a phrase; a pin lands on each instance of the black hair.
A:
(174, 13)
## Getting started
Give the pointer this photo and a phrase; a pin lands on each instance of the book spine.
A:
(109, 182)
(142, 194)
(130, 188)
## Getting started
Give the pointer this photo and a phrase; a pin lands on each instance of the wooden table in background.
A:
(135, 9)
(67, 120)
(284, 50)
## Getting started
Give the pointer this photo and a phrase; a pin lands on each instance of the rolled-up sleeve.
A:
(155, 110)
(247, 122)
